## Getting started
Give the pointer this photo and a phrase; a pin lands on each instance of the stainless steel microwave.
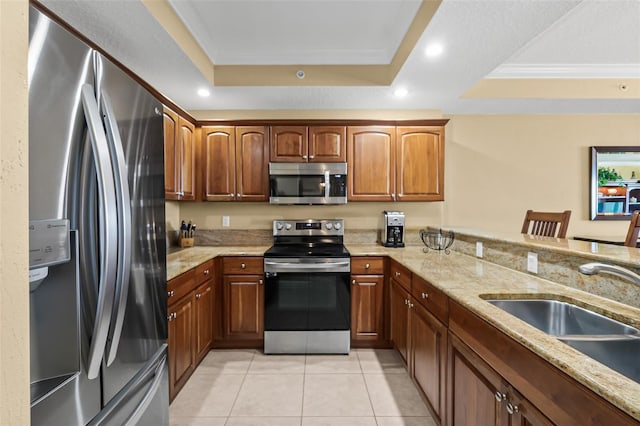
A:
(308, 183)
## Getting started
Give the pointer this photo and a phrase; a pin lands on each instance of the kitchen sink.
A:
(610, 342)
(621, 355)
(563, 320)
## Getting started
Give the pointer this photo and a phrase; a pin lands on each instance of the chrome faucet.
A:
(594, 268)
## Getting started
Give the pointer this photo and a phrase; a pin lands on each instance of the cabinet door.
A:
(420, 164)
(289, 144)
(475, 392)
(252, 161)
(182, 356)
(244, 307)
(371, 163)
(171, 154)
(219, 163)
(367, 315)
(328, 144)
(204, 319)
(400, 319)
(428, 357)
(520, 412)
(187, 148)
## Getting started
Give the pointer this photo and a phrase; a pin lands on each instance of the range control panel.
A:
(311, 227)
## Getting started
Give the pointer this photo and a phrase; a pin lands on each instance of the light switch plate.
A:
(532, 262)
(225, 221)
(478, 248)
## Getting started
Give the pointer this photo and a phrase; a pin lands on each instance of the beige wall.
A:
(260, 215)
(14, 293)
(498, 166)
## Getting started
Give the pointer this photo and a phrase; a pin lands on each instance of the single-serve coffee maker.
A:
(393, 233)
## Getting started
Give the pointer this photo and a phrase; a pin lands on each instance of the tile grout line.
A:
(240, 388)
(304, 381)
(375, 418)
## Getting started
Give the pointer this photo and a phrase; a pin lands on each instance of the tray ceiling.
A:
(500, 56)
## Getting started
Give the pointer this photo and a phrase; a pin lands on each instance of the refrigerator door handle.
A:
(108, 231)
(124, 226)
(146, 400)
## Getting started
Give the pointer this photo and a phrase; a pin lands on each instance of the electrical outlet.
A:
(532, 262)
(478, 248)
(225, 221)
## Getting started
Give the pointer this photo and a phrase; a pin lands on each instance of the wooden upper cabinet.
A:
(420, 164)
(219, 163)
(252, 162)
(180, 157)
(327, 144)
(187, 139)
(234, 163)
(314, 144)
(171, 161)
(289, 144)
(371, 163)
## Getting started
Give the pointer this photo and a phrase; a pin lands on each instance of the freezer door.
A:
(144, 401)
(139, 320)
(58, 65)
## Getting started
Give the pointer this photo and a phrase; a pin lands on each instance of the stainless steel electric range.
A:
(307, 293)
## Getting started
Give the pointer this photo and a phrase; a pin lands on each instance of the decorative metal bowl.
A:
(437, 240)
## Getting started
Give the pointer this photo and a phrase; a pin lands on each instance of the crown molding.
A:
(565, 71)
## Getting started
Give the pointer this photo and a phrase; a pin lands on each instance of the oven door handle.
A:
(306, 267)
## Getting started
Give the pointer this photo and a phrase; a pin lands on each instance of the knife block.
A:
(185, 242)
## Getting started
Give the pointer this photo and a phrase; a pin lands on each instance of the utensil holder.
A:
(186, 242)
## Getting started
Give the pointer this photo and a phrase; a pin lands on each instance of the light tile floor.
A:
(369, 387)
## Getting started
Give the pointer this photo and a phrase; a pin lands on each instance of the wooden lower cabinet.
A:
(367, 320)
(428, 355)
(190, 317)
(400, 319)
(203, 298)
(493, 379)
(480, 396)
(368, 308)
(181, 347)
(243, 304)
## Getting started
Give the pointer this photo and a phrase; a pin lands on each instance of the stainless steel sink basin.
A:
(562, 319)
(622, 355)
(610, 342)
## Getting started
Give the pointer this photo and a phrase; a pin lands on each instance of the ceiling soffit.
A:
(286, 75)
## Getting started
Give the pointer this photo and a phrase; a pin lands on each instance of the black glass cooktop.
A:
(307, 250)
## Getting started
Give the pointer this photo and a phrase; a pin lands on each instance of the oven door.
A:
(306, 297)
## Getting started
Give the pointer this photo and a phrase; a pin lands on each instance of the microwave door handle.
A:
(108, 230)
(124, 226)
(327, 184)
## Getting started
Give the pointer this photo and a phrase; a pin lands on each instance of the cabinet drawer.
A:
(243, 265)
(431, 298)
(204, 271)
(180, 286)
(367, 265)
(402, 275)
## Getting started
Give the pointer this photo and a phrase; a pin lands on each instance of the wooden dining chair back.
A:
(546, 224)
(634, 230)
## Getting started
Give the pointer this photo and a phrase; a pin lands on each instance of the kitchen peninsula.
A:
(534, 371)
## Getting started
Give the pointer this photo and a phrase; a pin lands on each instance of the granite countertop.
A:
(466, 279)
(180, 261)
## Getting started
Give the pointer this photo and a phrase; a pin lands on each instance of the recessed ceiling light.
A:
(433, 50)
(203, 92)
(401, 92)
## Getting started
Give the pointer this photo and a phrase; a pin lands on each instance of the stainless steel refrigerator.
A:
(97, 276)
